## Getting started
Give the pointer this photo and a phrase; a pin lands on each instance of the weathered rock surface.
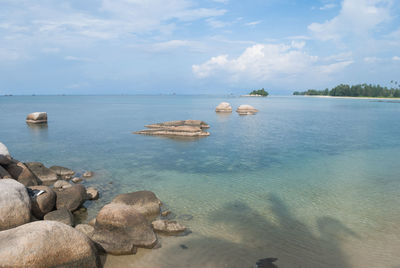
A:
(145, 202)
(86, 229)
(45, 175)
(5, 157)
(37, 118)
(120, 228)
(185, 128)
(62, 184)
(15, 204)
(245, 109)
(22, 173)
(179, 123)
(76, 180)
(62, 215)
(44, 203)
(63, 172)
(71, 198)
(92, 193)
(224, 107)
(47, 244)
(87, 174)
(4, 173)
(168, 227)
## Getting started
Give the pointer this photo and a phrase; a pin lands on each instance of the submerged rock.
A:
(71, 198)
(246, 109)
(15, 204)
(168, 227)
(145, 202)
(20, 172)
(37, 118)
(44, 203)
(45, 175)
(87, 174)
(47, 244)
(224, 107)
(63, 172)
(62, 215)
(120, 228)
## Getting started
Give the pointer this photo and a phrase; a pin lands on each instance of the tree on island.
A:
(260, 92)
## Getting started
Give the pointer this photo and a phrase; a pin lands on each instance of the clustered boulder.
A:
(243, 109)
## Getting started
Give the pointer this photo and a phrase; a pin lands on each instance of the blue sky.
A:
(195, 47)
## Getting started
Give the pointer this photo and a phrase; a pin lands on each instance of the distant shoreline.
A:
(248, 95)
(356, 98)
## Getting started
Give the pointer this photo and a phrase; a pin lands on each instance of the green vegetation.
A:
(362, 90)
(260, 92)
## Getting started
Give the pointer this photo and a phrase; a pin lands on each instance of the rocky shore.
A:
(37, 220)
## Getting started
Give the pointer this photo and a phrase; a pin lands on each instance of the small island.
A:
(258, 93)
(358, 91)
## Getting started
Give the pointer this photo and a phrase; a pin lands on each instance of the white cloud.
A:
(372, 59)
(396, 58)
(253, 23)
(263, 62)
(217, 23)
(355, 17)
(171, 45)
(73, 58)
(327, 6)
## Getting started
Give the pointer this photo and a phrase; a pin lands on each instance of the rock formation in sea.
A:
(223, 107)
(246, 109)
(182, 128)
(37, 118)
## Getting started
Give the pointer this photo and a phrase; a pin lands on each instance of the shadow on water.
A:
(255, 241)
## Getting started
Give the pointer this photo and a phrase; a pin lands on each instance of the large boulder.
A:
(62, 215)
(63, 172)
(120, 228)
(44, 203)
(168, 227)
(15, 205)
(37, 118)
(22, 173)
(47, 244)
(246, 109)
(5, 157)
(86, 229)
(224, 107)
(47, 176)
(71, 198)
(145, 202)
(4, 174)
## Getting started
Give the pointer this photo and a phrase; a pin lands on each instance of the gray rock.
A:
(181, 128)
(62, 215)
(22, 173)
(47, 244)
(87, 174)
(45, 175)
(145, 202)
(168, 227)
(37, 118)
(246, 109)
(61, 184)
(63, 172)
(119, 229)
(5, 156)
(77, 180)
(71, 198)
(92, 193)
(86, 229)
(224, 107)
(15, 204)
(44, 203)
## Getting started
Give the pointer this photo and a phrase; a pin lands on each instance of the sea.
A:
(305, 182)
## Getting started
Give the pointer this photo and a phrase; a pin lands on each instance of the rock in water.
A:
(44, 203)
(62, 215)
(22, 173)
(63, 172)
(37, 118)
(47, 244)
(179, 123)
(145, 202)
(15, 204)
(119, 229)
(62, 184)
(245, 109)
(224, 107)
(182, 128)
(87, 174)
(92, 193)
(47, 176)
(71, 198)
(5, 157)
(168, 227)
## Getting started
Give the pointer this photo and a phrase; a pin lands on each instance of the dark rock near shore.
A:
(145, 202)
(62, 184)
(120, 228)
(87, 174)
(44, 203)
(63, 172)
(92, 193)
(47, 244)
(45, 175)
(62, 215)
(15, 204)
(5, 157)
(71, 198)
(4, 174)
(37, 118)
(20, 172)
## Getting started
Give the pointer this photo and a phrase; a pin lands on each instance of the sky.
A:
(195, 47)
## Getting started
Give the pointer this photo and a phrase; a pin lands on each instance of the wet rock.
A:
(87, 174)
(224, 107)
(266, 263)
(45, 175)
(5, 157)
(47, 244)
(119, 229)
(168, 227)
(246, 109)
(61, 184)
(189, 123)
(77, 180)
(22, 173)
(183, 128)
(92, 193)
(44, 203)
(145, 202)
(62, 215)
(165, 213)
(15, 204)
(63, 172)
(86, 229)
(71, 198)
(37, 118)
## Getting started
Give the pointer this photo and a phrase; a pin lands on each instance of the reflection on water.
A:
(38, 130)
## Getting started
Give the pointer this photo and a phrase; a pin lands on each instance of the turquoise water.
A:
(314, 182)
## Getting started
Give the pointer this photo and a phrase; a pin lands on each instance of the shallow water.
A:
(313, 182)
